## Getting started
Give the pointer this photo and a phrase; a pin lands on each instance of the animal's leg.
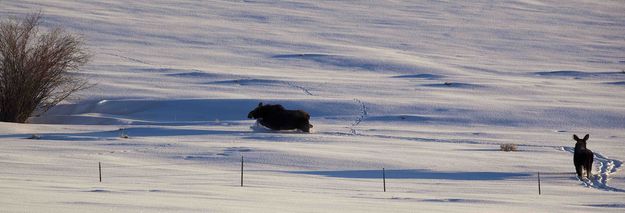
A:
(589, 169)
(578, 170)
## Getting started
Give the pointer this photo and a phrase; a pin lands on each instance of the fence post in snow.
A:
(241, 171)
(100, 170)
(539, 192)
(384, 179)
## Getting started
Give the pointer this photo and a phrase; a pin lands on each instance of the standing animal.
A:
(277, 118)
(583, 157)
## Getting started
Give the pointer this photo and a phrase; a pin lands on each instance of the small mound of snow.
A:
(455, 85)
(196, 75)
(249, 82)
(617, 83)
(257, 127)
(422, 76)
(355, 63)
(99, 191)
(578, 74)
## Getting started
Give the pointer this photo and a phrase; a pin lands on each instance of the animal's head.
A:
(257, 112)
(264, 110)
(581, 143)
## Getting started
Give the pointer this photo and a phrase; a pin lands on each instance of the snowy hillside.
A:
(427, 90)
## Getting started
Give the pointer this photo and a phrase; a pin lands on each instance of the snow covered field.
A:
(427, 90)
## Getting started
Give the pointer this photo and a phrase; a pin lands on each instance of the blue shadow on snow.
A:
(131, 132)
(417, 174)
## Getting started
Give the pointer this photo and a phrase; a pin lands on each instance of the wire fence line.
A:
(110, 171)
(114, 176)
(47, 174)
(107, 167)
(156, 165)
(112, 165)
(370, 176)
(557, 173)
(113, 171)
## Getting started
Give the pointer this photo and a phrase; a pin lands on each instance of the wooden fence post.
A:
(241, 171)
(384, 178)
(539, 192)
(100, 170)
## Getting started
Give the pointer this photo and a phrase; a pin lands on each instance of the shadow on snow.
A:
(416, 174)
(131, 132)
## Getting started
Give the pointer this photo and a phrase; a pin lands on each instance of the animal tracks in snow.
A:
(128, 58)
(304, 89)
(606, 168)
(363, 115)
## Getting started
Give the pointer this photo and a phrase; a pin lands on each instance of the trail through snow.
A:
(605, 168)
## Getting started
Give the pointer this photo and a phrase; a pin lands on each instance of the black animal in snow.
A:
(276, 117)
(583, 157)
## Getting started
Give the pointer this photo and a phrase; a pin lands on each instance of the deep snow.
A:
(427, 90)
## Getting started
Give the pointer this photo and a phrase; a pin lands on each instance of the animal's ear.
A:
(586, 137)
(575, 137)
(260, 104)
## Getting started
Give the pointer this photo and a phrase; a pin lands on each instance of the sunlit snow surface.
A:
(427, 90)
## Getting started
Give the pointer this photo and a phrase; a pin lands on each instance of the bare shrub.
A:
(35, 67)
(508, 147)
